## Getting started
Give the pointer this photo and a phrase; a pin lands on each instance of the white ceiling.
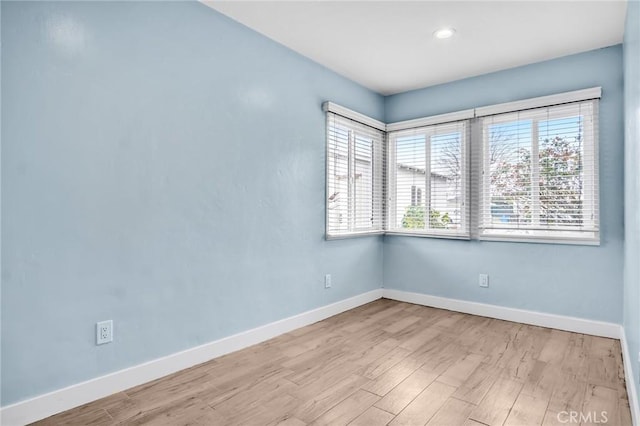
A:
(388, 46)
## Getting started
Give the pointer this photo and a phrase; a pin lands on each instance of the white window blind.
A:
(540, 174)
(519, 171)
(428, 184)
(354, 177)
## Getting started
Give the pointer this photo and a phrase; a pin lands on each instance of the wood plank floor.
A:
(387, 363)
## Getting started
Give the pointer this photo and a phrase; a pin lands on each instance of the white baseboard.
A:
(43, 406)
(46, 405)
(576, 325)
(561, 322)
(632, 391)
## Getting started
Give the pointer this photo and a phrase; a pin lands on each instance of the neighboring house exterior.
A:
(361, 211)
(410, 191)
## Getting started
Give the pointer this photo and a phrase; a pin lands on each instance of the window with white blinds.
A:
(428, 185)
(540, 174)
(520, 171)
(354, 177)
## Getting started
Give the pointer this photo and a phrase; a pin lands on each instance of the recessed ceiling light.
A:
(443, 33)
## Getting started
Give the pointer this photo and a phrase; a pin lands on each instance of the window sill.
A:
(541, 240)
(446, 236)
(493, 238)
(396, 233)
(345, 236)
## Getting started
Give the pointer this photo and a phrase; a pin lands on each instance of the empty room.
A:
(295, 213)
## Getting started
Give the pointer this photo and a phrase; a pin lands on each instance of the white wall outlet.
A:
(104, 332)
(327, 281)
(483, 280)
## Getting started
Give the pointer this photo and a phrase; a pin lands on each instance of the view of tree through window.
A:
(537, 165)
(559, 181)
(560, 165)
(510, 171)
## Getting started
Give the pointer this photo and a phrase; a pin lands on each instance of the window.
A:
(520, 171)
(354, 177)
(540, 177)
(429, 160)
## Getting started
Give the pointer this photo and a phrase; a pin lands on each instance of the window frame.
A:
(590, 233)
(351, 122)
(429, 131)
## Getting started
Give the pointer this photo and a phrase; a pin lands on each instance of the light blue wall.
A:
(578, 281)
(163, 167)
(632, 182)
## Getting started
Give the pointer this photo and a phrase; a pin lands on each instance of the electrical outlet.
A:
(327, 281)
(104, 332)
(483, 280)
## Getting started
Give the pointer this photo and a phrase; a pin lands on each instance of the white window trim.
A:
(442, 235)
(430, 121)
(540, 102)
(391, 213)
(353, 115)
(545, 240)
(355, 234)
(476, 207)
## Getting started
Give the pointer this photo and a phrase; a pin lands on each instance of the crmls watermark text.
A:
(596, 417)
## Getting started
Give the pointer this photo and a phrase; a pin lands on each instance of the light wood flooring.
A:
(387, 363)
